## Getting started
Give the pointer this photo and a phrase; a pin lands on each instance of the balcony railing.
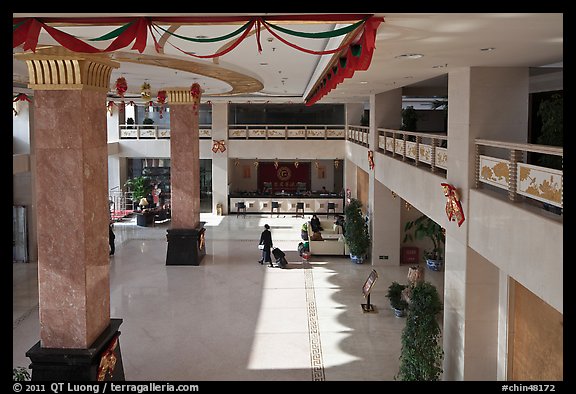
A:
(419, 148)
(501, 164)
(359, 135)
(273, 132)
(152, 132)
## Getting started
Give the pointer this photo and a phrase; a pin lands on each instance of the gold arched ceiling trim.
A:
(241, 83)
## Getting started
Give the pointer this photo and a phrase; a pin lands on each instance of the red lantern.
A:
(161, 100)
(121, 86)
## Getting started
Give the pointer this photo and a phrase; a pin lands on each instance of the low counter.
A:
(287, 204)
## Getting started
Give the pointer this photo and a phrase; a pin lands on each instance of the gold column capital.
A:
(68, 72)
(180, 95)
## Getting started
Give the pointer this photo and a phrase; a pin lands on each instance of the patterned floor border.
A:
(316, 360)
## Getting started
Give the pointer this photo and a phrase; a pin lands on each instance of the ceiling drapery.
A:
(354, 57)
(27, 30)
(355, 52)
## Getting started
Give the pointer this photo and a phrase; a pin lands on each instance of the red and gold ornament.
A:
(162, 101)
(454, 209)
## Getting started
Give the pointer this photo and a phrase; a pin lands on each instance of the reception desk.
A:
(287, 204)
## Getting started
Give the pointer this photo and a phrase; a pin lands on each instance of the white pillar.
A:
(383, 209)
(483, 103)
(112, 124)
(220, 159)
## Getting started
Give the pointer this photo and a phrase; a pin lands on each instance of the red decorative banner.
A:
(454, 209)
(286, 177)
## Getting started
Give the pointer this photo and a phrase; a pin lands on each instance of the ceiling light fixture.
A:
(487, 49)
(363, 82)
(263, 64)
(410, 56)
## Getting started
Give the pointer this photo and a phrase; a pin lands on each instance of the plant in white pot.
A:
(356, 231)
(424, 227)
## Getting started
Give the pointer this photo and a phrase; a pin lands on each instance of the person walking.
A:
(111, 238)
(266, 242)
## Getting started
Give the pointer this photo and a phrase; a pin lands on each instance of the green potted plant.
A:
(356, 231)
(421, 354)
(149, 122)
(140, 187)
(130, 122)
(409, 119)
(396, 301)
(20, 374)
(424, 227)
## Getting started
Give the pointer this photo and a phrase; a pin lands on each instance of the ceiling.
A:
(280, 73)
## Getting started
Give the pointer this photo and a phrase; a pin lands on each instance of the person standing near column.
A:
(266, 241)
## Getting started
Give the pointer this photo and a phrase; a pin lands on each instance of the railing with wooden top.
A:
(501, 164)
(358, 135)
(147, 131)
(430, 149)
(273, 132)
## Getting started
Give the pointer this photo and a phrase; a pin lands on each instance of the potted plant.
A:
(20, 374)
(130, 122)
(140, 187)
(148, 121)
(424, 227)
(396, 301)
(409, 119)
(421, 355)
(356, 231)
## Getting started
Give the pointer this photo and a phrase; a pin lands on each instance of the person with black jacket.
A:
(266, 241)
(111, 238)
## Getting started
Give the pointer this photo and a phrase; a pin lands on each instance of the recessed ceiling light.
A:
(410, 56)
(363, 82)
(487, 49)
(263, 64)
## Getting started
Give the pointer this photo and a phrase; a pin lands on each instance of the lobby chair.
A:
(241, 207)
(275, 206)
(299, 207)
(331, 207)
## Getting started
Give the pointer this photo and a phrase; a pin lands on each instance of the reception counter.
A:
(287, 204)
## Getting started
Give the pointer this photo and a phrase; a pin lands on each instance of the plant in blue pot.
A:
(356, 232)
(424, 227)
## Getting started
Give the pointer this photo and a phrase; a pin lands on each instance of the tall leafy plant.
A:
(409, 119)
(424, 227)
(421, 355)
(551, 112)
(140, 186)
(356, 232)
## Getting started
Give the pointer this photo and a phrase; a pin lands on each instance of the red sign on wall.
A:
(286, 177)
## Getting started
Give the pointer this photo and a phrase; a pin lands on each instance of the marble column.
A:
(71, 178)
(384, 212)
(219, 158)
(186, 236)
(184, 158)
(472, 333)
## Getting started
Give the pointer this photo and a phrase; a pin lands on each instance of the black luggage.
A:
(280, 257)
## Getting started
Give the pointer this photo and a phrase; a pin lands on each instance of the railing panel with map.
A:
(274, 132)
(359, 135)
(517, 177)
(417, 148)
(141, 131)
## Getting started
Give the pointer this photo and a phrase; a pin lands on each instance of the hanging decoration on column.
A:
(19, 97)
(146, 94)
(454, 209)
(236, 163)
(371, 159)
(276, 163)
(110, 107)
(336, 163)
(161, 101)
(256, 162)
(121, 88)
(219, 146)
(195, 92)
(296, 163)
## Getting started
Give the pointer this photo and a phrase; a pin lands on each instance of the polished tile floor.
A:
(232, 319)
